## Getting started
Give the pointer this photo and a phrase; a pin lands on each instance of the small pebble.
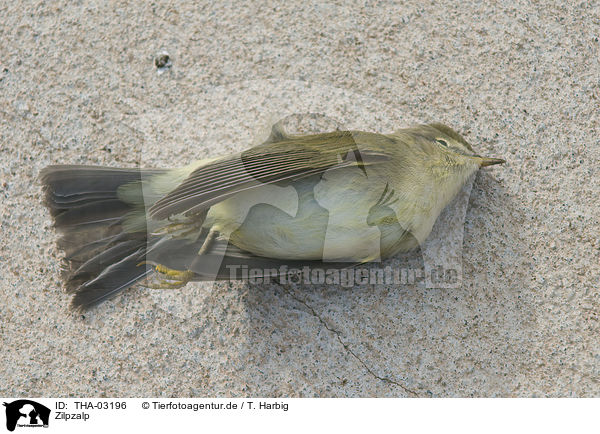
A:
(162, 60)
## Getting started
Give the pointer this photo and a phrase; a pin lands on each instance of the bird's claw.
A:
(175, 279)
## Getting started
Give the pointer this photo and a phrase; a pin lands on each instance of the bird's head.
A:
(450, 142)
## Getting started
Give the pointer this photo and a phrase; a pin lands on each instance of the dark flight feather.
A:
(100, 257)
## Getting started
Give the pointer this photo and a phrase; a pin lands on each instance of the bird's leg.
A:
(212, 234)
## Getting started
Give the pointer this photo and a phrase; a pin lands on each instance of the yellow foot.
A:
(175, 279)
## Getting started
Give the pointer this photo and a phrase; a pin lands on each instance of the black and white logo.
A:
(26, 413)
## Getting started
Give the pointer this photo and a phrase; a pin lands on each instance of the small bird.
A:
(339, 199)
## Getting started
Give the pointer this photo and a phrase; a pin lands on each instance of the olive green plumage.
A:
(343, 197)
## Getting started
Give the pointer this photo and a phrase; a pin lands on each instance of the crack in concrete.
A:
(346, 346)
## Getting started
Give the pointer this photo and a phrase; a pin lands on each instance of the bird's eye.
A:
(441, 142)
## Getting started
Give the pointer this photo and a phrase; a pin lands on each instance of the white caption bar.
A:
(97, 415)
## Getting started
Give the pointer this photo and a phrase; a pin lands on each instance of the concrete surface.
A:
(78, 84)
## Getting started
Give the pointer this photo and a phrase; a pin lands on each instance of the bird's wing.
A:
(280, 159)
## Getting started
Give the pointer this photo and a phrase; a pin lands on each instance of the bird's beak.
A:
(485, 161)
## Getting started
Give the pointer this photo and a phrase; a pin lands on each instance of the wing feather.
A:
(287, 160)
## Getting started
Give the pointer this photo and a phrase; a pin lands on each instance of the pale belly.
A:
(331, 219)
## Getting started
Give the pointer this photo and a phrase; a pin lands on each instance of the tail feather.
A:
(96, 212)
(64, 202)
(110, 282)
(101, 257)
(78, 248)
(95, 265)
(90, 179)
